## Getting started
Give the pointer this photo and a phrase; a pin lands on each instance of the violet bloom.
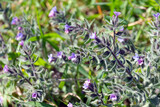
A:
(72, 56)
(140, 61)
(136, 57)
(19, 36)
(1, 100)
(34, 95)
(86, 84)
(67, 28)
(93, 36)
(21, 43)
(121, 28)
(70, 105)
(50, 58)
(120, 40)
(14, 21)
(6, 69)
(53, 12)
(59, 54)
(20, 28)
(156, 15)
(113, 97)
(117, 13)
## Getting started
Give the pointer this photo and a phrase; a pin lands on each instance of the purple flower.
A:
(120, 40)
(1, 100)
(21, 43)
(6, 69)
(67, 28)
(53, 12)
(59, 54)
(93, 36)
(121, 28)
(72, 56)
(117, 13)
(34, 95)
(14, 21)
(113, 97)
(136, 57)
(86, 84)
(156, 15)
(70, 105)
(140, 61)
(20, 28)
(50, 58)
(19, 36)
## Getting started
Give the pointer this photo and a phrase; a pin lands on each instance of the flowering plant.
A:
(101, 65)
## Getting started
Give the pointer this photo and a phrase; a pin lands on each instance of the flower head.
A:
(6, 69)
(117, 13)
(113, 97)
(21, 43)
(19, 36)
(20, 28)
(140, 61)
(34, 95)
(121, 28)
(156, 15)
(50, 58)
(14, 21)
(53, 12)
(72, 56)
(59, 54)
(136, 57)
(120, 39)
(86, 84)
(67, 28)
(93, 36)
(70, 105)
(1, 100)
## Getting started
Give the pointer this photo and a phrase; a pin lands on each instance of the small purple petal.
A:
(70, 105)
(14, 21)
(19, 36)
(59, 54)
(67, 28)
(121, 28)
(113, 97)
(93, 36)
(117, 13)
(21, 43)
(34, 95)
(1, 100)
(20, 28)
(120, 39)
(136, 57)
(50, 58)
(156, 15)
(6, 69)
(140, 61)
(86, 84)
(53, 12)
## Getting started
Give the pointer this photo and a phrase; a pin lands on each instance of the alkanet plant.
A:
(100, 65)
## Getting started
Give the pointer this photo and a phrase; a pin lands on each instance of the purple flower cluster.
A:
(93, 36)
(70, 105)
(138, 59)
(86, 84)
(6, 69)
(15, 21)
(67, 28)
(34, 95)
(117, 13)
(113, 97)
(53, 12)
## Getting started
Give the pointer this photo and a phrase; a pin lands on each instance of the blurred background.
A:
(136, 13)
